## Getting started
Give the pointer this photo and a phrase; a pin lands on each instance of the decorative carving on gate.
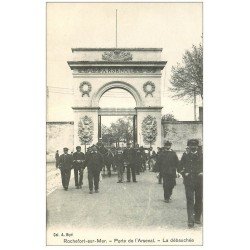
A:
(117, 55)
(85, 130)
(149, 129)
(85, 88)
(149, 88)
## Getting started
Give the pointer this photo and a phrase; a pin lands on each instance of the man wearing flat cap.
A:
(78, 161)
(168, 164)
(191, 168)
(94, 162)
(65, 165)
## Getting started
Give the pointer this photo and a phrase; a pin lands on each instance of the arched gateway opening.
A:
(96, 71)
(117, 118)
(117, 85)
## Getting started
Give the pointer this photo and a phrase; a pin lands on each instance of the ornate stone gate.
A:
(97, 70)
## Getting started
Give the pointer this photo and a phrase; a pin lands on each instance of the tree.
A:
(121, 130)
(168, 117)
(107, 136)
(187, 79)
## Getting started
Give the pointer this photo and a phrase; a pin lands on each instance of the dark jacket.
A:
(102, 150)
(78, 157)
(119, 159)
(65, 161)
(138, 156)
(157, 166)
(94, 161)
(108, 158)
(191, 163)
(130, 155)
(168, 163)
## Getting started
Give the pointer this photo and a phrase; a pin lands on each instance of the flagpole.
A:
(116, 28)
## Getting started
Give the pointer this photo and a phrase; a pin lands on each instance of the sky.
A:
(175, 27)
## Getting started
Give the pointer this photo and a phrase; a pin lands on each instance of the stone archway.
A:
(116, 84)
(136, 70)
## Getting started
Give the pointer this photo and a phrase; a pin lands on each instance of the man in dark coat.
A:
(57, 158)
(143, 159)
(65, 165)
(94, 162)
(109, 161)
(191, 168)
(168, 164)
(104, 152)
(78, 161)
(157, 168)
(130, 161)
(138, 159)
(119, 163)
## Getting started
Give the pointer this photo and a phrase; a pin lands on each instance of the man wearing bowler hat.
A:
(65, 165)
(168, 164)
(78, 161)
(191, 168)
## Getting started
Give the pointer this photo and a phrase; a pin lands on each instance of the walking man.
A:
(138, 159)
(57, 158)
(78, 161)
(104, 152)
(157, 168)
(191, 168)
(65, 165)
(130, 159)
(94, 162)
(168, 163)
(119, 163)
(108, 161)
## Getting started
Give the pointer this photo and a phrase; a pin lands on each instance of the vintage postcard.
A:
(124, 124)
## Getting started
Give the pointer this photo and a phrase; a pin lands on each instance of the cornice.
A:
(122, 63)
(147, 108)
(59, 122)
(181, 122)
(85, 108)
(111, 49)
(78, 64)
(128, 64)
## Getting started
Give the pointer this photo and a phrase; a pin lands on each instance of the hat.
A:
(167, 143)
(78, 147)
(65, 149)
(193, 142)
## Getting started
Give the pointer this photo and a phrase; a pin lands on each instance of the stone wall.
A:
(180, 131)
(59, 135)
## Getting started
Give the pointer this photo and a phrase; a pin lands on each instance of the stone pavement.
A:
(123, 206)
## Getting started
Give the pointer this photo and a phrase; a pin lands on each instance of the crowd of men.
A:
(134, 160)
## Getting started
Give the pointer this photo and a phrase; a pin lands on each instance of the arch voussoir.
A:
(116, 84)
